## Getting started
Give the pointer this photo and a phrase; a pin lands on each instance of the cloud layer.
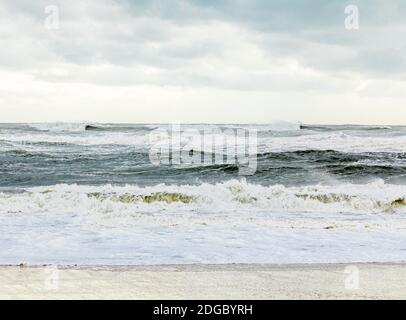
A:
(174, 59)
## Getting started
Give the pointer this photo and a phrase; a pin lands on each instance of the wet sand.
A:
(231, 281)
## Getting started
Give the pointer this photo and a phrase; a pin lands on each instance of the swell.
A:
(343, 127)
(125, 165)
(322, 155)
(358, 170)
(333, 159)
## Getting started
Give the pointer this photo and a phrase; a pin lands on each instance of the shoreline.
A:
(385, 280)
(233, 266)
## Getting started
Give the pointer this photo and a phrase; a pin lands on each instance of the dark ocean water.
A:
(35, 155)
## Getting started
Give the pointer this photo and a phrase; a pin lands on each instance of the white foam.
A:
(59, 126)
(224, 224)
(282, 126)
(337, 141)
(226, 197)
(99, 138)
(267, 142)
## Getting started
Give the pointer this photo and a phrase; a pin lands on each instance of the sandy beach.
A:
(234, 281)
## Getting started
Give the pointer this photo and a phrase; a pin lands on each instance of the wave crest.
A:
(58, 126)
(149, 198)
(230, 196)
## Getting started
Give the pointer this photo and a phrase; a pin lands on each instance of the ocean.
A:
(91, 194)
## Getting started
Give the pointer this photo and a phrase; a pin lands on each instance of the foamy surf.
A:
(226, 197)
(230, 222)
(274, 137)
(88, 193)
(59, 126)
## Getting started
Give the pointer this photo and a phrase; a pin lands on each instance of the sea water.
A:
(88, 194)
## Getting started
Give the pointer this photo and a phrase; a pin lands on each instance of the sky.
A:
(224, 61)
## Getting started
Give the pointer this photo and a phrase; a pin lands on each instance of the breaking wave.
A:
(230, 196)
(84, 126)
(58, 126)
(343, 127)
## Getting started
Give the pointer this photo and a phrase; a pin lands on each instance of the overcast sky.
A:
(202, 61)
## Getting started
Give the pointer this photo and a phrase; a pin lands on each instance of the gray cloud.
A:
(197, 43)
